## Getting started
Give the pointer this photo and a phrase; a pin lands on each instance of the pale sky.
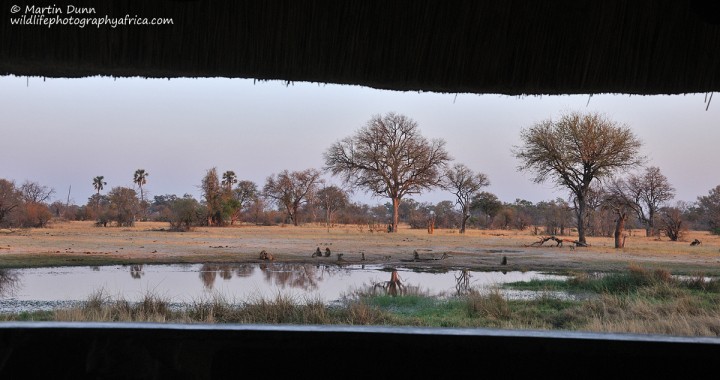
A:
(64, 132)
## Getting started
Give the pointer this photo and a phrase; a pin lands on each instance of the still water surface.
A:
(48, 288)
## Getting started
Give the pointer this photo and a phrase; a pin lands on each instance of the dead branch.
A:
(558, 242)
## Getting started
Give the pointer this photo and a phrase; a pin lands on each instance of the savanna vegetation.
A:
(612, 191)
(637, 300)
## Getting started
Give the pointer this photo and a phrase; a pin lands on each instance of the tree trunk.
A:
(619, 227)
(581, 220)
(465, 217)
(463, 223)
(396, 210)
(327, 219)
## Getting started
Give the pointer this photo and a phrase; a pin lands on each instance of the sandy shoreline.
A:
(80, 243)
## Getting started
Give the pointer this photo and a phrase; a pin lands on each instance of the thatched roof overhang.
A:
(513, 47)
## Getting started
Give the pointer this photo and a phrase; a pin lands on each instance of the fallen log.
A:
(543, 240)
(558, 242)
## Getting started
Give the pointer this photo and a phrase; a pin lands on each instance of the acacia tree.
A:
(576, 150)
(709, 209)
(465, 184)
(331, 199)
(389, 157)
(488, 204)
(292, 190)
(649, 192)
(245, 192)
(123, 206)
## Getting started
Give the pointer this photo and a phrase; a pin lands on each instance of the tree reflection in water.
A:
(301, 276)
(9, 282)
(462, 282)
(394, 287)
(136, 271)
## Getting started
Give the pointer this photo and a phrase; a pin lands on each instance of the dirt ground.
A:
(81, 243)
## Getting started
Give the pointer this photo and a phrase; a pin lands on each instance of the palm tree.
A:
(98, 184)
(140, 179)
(229, 179)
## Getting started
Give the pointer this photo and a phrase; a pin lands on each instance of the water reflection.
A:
(330, 283)
(9, 282)
(394, 287)
(300, 276)
(136, 271)
(462, 282)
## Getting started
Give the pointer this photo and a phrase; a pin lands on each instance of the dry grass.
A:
(81, 243)
(99, 307)
(280, 310)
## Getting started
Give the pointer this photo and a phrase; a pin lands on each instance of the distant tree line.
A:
(610, 189)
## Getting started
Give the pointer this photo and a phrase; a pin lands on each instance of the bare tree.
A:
(10, 200)
(34, 211)
(576, 150)
(292, 190)
(649, 192)
(672, 222)
(33, 192)
(616, 199)
(465, 184)
(389, 157)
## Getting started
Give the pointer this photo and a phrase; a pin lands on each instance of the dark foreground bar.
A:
(170, 351)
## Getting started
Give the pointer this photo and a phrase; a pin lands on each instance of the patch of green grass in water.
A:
(34, 316)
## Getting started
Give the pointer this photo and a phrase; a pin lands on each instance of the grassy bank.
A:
(637, 300)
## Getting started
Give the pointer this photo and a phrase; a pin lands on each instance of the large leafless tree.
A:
(389, 157)
(33, 192)
(649, 191)
(464, 184)
(292, 189)
(576, 150)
